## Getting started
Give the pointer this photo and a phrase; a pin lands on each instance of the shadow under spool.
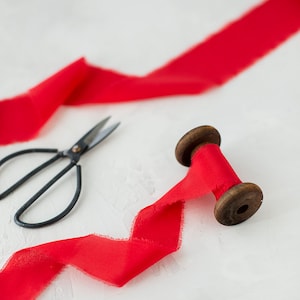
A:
(240, 201)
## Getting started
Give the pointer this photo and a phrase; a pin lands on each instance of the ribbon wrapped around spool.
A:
(236, 201)
(156, 231)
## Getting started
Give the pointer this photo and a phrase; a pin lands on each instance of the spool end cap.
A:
(193, 140)
(238, 204)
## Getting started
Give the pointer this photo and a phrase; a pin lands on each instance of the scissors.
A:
(92, 138)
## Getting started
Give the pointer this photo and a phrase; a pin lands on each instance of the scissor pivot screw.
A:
(76, 149)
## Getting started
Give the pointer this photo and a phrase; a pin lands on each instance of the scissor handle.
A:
(34, 171)
(26, 151)
(35, 197)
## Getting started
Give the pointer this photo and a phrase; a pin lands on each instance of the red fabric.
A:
(155, 233)
(207, 65)
(156, 229)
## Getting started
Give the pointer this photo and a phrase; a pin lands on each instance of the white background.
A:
(257, 114)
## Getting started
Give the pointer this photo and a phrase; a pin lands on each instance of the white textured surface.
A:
(257, 114)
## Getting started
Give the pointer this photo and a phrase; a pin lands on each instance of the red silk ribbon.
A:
(207, 65)
(156, 230)
(155, 234)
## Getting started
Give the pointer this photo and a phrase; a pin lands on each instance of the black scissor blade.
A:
(93, 137)
(102, 135)
(90, 136)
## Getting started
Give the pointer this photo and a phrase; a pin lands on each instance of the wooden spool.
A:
(237, 204)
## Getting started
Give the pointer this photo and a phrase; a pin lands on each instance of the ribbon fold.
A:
(156, 232)
(208, 64)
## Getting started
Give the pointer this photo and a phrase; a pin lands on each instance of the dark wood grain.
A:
(193, 140)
